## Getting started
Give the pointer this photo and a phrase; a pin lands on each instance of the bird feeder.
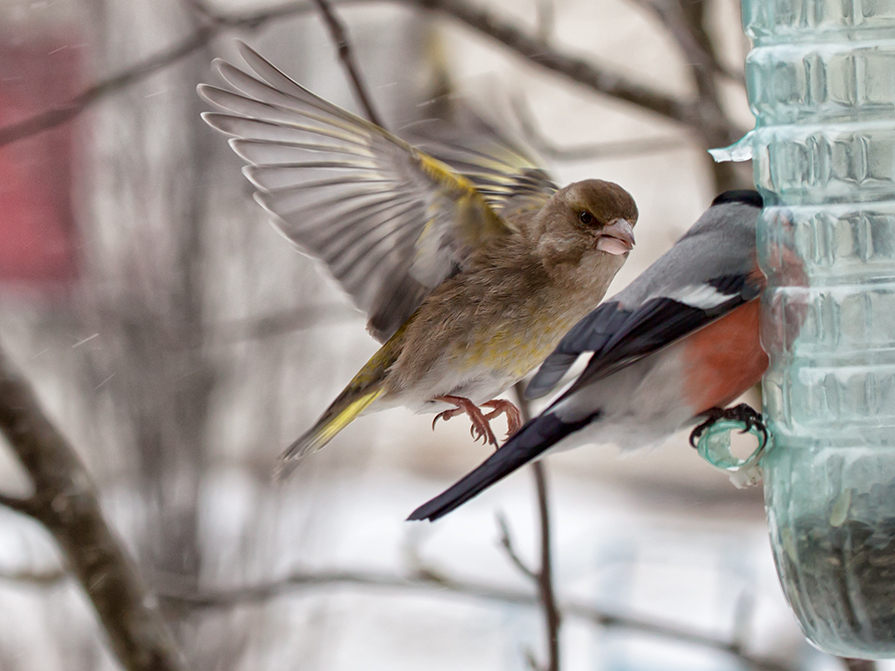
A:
(821, 82)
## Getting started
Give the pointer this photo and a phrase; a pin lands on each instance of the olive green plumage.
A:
(469, 261)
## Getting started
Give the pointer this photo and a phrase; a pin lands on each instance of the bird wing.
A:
(390, 221)
(507, 175)
(709, 272)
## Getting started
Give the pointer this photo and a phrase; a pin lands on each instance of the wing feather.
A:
(390, 221)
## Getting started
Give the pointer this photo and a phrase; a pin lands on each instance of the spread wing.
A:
(508, 176)
(390, 221)
(709, 272)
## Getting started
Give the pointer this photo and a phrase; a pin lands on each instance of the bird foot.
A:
(501, 406)
(738, 413)
(480, 427)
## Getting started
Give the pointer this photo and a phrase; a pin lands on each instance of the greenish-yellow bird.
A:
(470, 266)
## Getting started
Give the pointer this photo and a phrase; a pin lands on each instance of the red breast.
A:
(724, 359)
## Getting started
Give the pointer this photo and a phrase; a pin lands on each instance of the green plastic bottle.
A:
(821, 82)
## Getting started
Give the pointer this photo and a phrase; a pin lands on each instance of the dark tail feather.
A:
(549, 374)
(532, 440)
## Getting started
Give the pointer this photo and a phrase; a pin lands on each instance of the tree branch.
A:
(859, 664)
(670, 15)
(506, 542)
(598, 79)
(436, 582)
(202, 36)
(36, 578)
(23, 506)
(538, 141)
(346, 55)
(543, 577)
(531, 48)
(65, 502)
(69, 110)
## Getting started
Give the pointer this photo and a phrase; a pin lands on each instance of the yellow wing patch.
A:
(328, 431)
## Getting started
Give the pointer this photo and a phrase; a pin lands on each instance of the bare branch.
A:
(65, 502)
(19, 505)
(742, 615)
(590, 75)
(545, 575)
(670, 15)
(593, 76)
(546, 19)
(346, 55)
(687, 30)
(48, 578)
(69, 110)
(301, 581)
(535, 137)
(506, 542)
(72, 108)
(859, 664)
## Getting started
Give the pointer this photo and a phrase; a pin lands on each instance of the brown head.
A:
(592, 220)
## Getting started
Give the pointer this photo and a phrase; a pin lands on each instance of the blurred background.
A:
(180, 344)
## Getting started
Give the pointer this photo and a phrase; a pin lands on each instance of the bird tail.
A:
(364, 388)
(344, 410)
(530, 442)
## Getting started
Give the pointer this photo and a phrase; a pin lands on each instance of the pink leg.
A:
(501, 406)
(480, 427)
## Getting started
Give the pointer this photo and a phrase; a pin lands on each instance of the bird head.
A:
(592, 219)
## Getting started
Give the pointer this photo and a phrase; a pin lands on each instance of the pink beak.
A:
(616, 238)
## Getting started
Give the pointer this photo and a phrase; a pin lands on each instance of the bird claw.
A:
(502, 406)
(739, 413)
(480, 427)
(446, 415)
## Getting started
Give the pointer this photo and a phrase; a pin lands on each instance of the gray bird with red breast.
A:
(677, 345)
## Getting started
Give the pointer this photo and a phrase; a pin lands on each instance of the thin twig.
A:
(692, 39)
(859, 664)
(544, 575)
(538, 141)
(75, 106)
(670, 15)
(595, 77)
(545, 17)
(301, 581)
(65, 502)
(742, 615)
(23, 506)
(685, 26)
(346, 55)
(589, 74)
(70, 109)
(506, 542)
(47, 578)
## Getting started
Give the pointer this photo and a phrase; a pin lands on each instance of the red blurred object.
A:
(38, 238)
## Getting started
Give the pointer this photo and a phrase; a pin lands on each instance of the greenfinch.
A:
(470, 263)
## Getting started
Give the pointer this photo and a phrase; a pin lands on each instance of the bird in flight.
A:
(468, 260)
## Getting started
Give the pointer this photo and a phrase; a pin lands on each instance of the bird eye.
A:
(586, 217)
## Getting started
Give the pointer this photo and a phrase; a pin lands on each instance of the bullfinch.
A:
(676, 346)
(470, 263)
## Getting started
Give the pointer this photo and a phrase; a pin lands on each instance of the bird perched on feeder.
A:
(677, 345)
(470, 268)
